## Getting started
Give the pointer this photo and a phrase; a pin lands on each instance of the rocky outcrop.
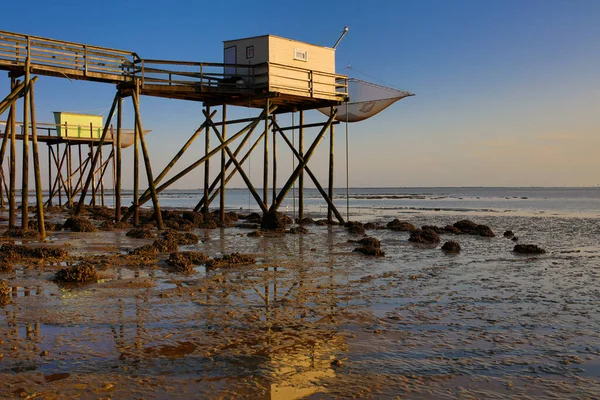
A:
(403, 226)
(274, 221)
(424, 236)
(528, 249)
(471, 228)
(451, 246)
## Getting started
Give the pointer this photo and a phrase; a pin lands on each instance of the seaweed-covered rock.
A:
(425, 236)
(78, 273)
(528, 249)
(321, 222)
(195, 218)
(109, 226)
(298, 230)
(4, 293)
(48, 226)
(274, 221)
(15, 251)
(22, 234)
(355, 227)
(79, 224)
(371, 226)
(306, 221)
(208, 224)
(403, 226)
(370, 251)
(255, 234)
(230, 259)
(141, 233)
(471, 228)
(370, 242)
(180, 238)
(451, 246)
(186, 260)
(254, 217)
(451, 229)
(100, 213)
(509, 234)
(434, 228)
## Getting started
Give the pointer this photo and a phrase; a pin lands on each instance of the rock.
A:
(509, 234)
(186, 260)
(371, 226)
(141, 233)
(306, 221)
(336, 363)
(113, 226)
(49, 226)
(451, 229)
(15, 251)
(425, 236)
(515, 239)
(254, 217)
(528, 249)
(322, 222)
(4, 293)
(471, 228)
(81, 273)
(434, 228)
(22, 234)
(230, 259)
(180, 238)
(255, 234)
(298, 230)
(451, 246)
(370, 242)
(403, 226)
(208, 224)
(79, 224)
(355, 227)
(274, 221)
(370, 251)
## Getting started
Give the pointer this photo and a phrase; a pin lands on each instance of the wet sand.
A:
(313, 319)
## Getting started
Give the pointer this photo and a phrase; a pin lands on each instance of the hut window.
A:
(250, 52)
(301, 55)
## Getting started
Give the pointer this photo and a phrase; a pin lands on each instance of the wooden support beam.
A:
(301, 176)
(266, 157)
(25, 150)
(69, 174)
(95, 158)
(313, 178)
(331, 170)
(207, 163)
(274, 162)
(16, 91)
(36, 166)
(223, 161)
(2, 154)
(118, 157)
(136, 174)
(301, 165)
(13, 155)
(49, 201)
(153, 193)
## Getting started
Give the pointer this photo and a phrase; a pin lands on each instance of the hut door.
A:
(230, 58)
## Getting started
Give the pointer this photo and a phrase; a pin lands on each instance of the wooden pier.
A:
(273, 88)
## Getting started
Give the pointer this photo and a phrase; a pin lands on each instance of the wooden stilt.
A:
(301, 176)
(266, 157)
(93, 170)
(59, 176)
(331, 167)
(138, 120)
(12, 174)
(222, 197)
(25, 173)
(136, 175)
(101, 180)
(274, 163)
(69, 174)
(114, 164)
(206, 164)
(2, 154)
(50, 193)
(118, 160)
(36, 166)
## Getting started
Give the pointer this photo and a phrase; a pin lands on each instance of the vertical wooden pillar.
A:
(25, 174)
(13, 155)
(266, 156)
(274, 162)
(101, 183)
(70, 193)
(136, 175)
(222, 196)
(206, 167)
(93, 169)
(36, 165)
(2, 155)
(330, 194)
(59, 174)
(118, 157)
(301, 176)
(50, 193)
(138, 121)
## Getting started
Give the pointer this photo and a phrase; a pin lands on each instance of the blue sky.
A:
(507, 92)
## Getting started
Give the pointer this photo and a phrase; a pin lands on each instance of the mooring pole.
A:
(223, 161)
(331, 166)
(13, 154)
(274, 163)
(69, 173)
(50, 192)
(136, 175)
(301, 176)
(206, 166)
(36, 165)
(118, 157)
(266, 157)
(25, 174)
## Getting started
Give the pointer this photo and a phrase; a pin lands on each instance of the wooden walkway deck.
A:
(196, 81)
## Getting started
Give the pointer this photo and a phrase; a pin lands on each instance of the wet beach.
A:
(309, 317)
